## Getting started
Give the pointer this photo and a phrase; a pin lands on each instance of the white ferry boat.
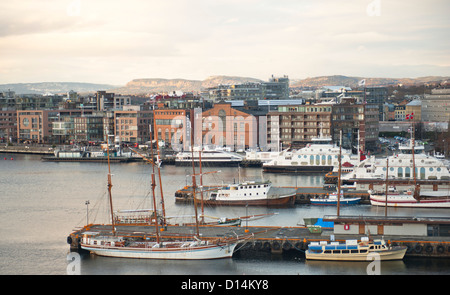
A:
(319, 156)
(251, 193)
(209, 157)
(400, 167)
(351, 250)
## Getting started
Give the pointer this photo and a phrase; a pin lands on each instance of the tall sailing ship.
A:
(113, 244)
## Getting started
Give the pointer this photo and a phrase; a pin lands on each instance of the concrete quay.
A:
(269, 239)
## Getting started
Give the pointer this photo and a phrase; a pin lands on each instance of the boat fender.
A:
(267, 245)
(440, 249)
(418, 248)
(408, 249)
(276, 246)
(286, 246)
(429, 249)
(69, 240)
(258, 245)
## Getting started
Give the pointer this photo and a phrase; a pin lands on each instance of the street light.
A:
(87, 211)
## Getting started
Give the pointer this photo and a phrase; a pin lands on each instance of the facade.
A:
(356, 120)
(377, 96)
(223, 125)
(400, 113)
(173, 126)
(295, 126)
(275, 88)
(8, 126)
(133, 126)
(33, 126)
(436, 106)
(415, 108)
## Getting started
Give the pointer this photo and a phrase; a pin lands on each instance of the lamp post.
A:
(87, 211)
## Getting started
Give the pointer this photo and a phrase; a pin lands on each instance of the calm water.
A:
(42, 202)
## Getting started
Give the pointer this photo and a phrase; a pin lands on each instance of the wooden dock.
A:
(269, 239)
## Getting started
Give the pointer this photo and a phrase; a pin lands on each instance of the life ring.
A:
(418, 248)
(429, 248)
(440, 249)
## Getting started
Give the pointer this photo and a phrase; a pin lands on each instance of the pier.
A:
(278, 240)
(303, 195)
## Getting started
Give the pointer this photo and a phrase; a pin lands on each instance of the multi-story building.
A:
(295, 125)
(33, 126)
(356, 120)
(436, 106)
(133, 125)
(223, 125)
(109, 101)
(173, 126)
(376, 95)
(400, 112)
(275, 88)
(8, 126)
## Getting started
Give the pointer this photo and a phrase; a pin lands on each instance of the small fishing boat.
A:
(332, 199)
(352, 250)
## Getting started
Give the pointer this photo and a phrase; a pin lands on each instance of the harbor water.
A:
(42, 202)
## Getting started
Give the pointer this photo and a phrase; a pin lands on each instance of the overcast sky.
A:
(113, 41)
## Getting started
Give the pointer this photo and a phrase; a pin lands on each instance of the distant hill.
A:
(157, 85)
(339, 80)
(54, 87)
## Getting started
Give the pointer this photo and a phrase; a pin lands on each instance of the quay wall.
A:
(279, 240)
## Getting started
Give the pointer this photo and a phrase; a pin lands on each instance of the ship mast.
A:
(339, 177)
(193, 191)
(153, 188)
(109, 191)
(416, 187)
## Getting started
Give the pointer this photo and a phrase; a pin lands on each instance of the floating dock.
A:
(303, 195)
(270, 239)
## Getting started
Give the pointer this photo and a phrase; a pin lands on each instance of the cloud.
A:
(115, 41)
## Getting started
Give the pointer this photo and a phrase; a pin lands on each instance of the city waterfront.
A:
(42, 202)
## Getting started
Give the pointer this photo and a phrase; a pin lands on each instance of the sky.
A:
(114, 42)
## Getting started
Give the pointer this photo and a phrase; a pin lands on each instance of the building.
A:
(33, 126)
(133, 125)
(275, 88)
(436, 106)
(377, 96)
(295, 125)
(224, 125)
(8, 126)
(400, 112)
(109, 101)
(356, 120)
(414, 109)
(173, 126)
